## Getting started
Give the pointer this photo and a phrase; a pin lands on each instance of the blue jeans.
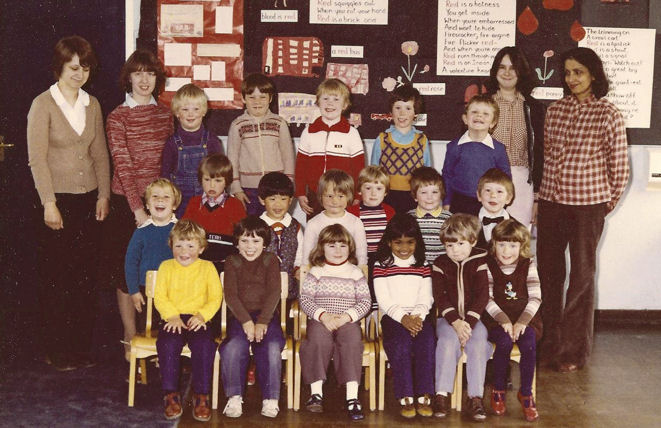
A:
(235, 356)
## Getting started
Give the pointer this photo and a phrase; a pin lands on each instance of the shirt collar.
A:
(130, 102)
(398, 135)
(318, 125)
(150, 221)
(487, 141)
(403, 262)
(213, 202)
(286, 220)
(420, 213)
(503, 213)
(83, 97)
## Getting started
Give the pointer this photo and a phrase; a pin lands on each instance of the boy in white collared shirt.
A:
(470, 156)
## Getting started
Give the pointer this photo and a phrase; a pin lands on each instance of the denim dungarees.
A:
(185, 177)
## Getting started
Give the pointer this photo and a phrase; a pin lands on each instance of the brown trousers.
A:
(344, 346)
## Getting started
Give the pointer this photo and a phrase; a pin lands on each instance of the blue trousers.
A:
(235, 356)
(501, 358)
(411, 358)
(202, 346)
(448, 351)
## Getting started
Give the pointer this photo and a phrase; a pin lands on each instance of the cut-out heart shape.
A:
(527, 22)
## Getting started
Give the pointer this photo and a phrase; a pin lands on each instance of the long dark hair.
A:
(401, 225)
(590, 59)
(524, 83)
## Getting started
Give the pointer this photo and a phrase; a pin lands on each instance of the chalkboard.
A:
(558, 24)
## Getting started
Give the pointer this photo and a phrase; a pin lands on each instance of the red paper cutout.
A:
(473, 90)
(577, 32)
(292, 56)
(562, 5)
(527, 22)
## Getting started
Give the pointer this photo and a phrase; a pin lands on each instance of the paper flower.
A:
(548, 54)
(425, 69)
(389, 84)
(410, 48)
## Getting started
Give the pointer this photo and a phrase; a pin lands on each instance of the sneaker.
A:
(424, 408)
(172, 406)
(354, 410)
(475, 409)
(315, 404)
(201, 409)
(498, 402)
(529, 408)
(407, 410)
(270, 408)
(251, 374)
(441, 405)
(234, 407)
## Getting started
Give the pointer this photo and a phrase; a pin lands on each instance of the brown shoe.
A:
(441, 405)
(475, 409)
(424, 408)
(529, 408)
(172, 406)
(498, 402)
(407, 410)
(201, 410)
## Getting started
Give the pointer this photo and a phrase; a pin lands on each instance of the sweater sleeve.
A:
(99, 152)
(231, 291)
(502, 161)
(309, 240)
(617, 161)
(425, 299)
(298, 260)
(169, 159)
(375, 157)
(480, 297)
(534, 295)
(287, 150)
(387, 302)
(363, 300)
(302, 165)
(37, 140)
(119, 150)
(308, 295)
(448, 165)
(426, 154)
(440, 282)
(273, 288)
(132, 262)
(233, 153)
(162, 301)
(361, 241)
(214, 292)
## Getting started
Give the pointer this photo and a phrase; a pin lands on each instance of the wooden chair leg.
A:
(458, 384)
(382, 380)
(216, 376)
(297, 382)
(132, 364)
(143, 371)
(373, 381)
(367, 377)
(290, 381)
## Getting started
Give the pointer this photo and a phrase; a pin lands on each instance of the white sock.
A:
(317, 388)
(402, 401)
(443, 393)
(352, 390)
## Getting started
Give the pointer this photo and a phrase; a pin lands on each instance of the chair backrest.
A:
(150, 287)
(284, 292)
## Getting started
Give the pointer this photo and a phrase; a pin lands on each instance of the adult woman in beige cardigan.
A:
(69, 161)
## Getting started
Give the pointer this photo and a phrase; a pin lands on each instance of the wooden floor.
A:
(620, 387)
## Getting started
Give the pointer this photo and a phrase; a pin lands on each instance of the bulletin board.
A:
(201, 42)
(376, 45)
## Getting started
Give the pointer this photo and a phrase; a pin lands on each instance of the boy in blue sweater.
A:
(148, 247)
(470, 156)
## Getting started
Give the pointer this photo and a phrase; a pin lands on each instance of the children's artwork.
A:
(527, 22)
(292, 56)
(297, 108)
(630, 70)
(409, 48)
(354, 12)
(470, 33)
(355, 119)
(355, 76)
(577, 32)
(544, 77)
(562, 5)
(202, 42)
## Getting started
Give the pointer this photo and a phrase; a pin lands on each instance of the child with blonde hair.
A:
(513, 312)
(335, 296)
(328, 142)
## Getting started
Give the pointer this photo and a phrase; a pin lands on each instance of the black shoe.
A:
(441, 405)
(315, 404)
(61, 362)
(475, 409)
(355, 410)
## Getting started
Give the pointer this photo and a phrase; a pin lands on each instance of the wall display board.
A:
(444, 48)
(201, 42)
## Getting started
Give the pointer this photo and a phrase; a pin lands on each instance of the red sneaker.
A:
(498, 402)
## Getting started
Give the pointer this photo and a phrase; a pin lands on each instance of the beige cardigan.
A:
(61, 160)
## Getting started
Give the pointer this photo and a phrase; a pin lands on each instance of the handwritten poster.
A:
(353, 12)
(470, 33)
(628, 57)
(297, 108)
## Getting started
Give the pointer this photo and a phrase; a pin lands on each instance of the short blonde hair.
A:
(165, 184)
(189, 93)
(374, 174)
(335, 87)
(460, 227)
(188, 230)
(339, 180)
(511, 230)
(426, 176)
(331, 234)
(497, 176)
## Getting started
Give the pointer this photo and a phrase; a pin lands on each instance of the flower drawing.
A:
(410, 48)
(389, 84)
(544, 77)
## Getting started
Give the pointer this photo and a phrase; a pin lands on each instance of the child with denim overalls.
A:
(189, 144)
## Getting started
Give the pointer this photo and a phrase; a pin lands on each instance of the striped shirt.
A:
(375, 220)
(585, 153)
(534, 295)
(430, 226)
(403, 289)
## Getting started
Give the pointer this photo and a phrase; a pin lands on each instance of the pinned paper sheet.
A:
(177, 54)
(218, 70)
(201, 72)
(297, 108)
(219, 94)
(172, 84)
(230, 50)
(224, 17)
(355, 76)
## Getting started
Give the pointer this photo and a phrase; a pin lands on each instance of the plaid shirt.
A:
(511, 129)
(585, 153)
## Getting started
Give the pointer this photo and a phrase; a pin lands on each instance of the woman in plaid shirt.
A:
(585, 173)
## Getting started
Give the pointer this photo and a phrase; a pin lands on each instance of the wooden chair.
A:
(369, 359)
(144, 345)
(383, 359)
(456, 399)
(287, 351)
